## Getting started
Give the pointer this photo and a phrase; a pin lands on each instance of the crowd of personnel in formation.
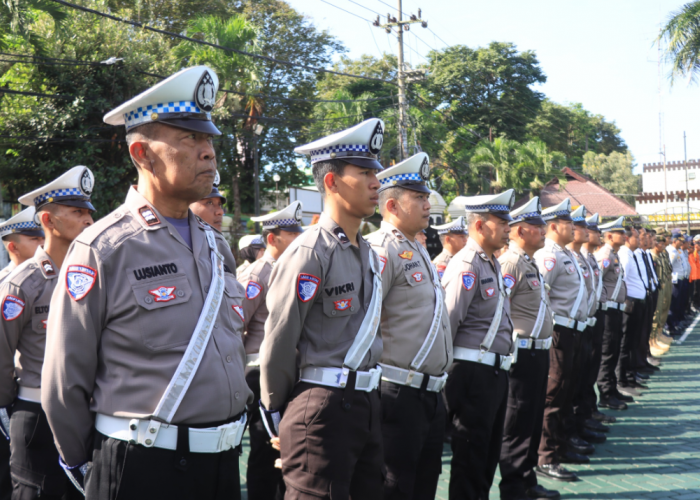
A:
(134, 353)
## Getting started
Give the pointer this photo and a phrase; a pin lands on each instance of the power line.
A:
(346, 11)
(436, 35)
(202, 42)
(35, 94)
(366, 8)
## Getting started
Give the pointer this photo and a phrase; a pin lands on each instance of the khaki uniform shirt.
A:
(471, 296)
(255, 279)
(609, 264)
(5, 271)
(116, 341)
(441, 262)
(25, 296)
(319, 293)
(589, 278)
(593, 264)
(662, 266)
(557, 267)
(521, 275)
(408, 307)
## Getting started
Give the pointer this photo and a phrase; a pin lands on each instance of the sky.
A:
(600, 53)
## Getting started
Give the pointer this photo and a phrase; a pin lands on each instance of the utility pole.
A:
(687, 193)
(665, 191)
(404, 76)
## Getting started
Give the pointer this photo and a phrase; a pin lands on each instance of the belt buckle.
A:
(343, 381)
(482, 352)
(375, 377)
(229, 434)
(506, 361)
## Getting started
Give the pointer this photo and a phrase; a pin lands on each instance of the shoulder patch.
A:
(606, 263)
(509, 280)
(307, 286)
(80, 280)
(252, 290)
(468, 280)
(406, 254)
(549, 263)
(12, 307)
(441, 270)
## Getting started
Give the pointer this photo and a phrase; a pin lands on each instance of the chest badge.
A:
(468, 280)
(418, 276)
(441, 270)
(586, 274)
(490, 292)
(509, 280)
(163, 293)
(382, 264)
(44, 322)
(596, 272)
(239, 311)
(342, 305)
(617, 270)
(80, 280)
(549, 263)
(252, 290)
(406, 254)
(307, 286)
(571, 269)
(12, 307)
(535, 283)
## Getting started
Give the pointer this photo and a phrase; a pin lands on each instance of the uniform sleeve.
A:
(76, 318)
(460, 290)
(255, 293)
(16, 313)
(549, 275)
(297, 269)
(388, 270)
(511, 269)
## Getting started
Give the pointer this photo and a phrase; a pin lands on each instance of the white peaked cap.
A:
(359, 145)
(531, 213)
(72, 188)
(561, 211)
(22, 223)
(456, 226)
(250, 239)
(215, 189)
(183, 100)
(412, 173)
(593, 222)
(288, 219)
(616, 225)
(579, 216)
(496, 204)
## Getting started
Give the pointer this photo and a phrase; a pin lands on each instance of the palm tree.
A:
(499, 156)
(536, 165)
(16, 17)
(681, 36)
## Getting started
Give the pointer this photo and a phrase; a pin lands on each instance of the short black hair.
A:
(395, 192)
(321, 168)
(266, 232)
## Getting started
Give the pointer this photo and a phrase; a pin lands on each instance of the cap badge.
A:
(297, 213)
(377, 140)
(86, 182)
(425, 169)
(205, 94)
(217, 179)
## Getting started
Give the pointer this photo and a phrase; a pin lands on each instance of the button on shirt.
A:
(634, 279)
(255, 279)
(408, 307)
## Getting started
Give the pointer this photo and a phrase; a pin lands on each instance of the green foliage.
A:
(681, 37)
(614, 172)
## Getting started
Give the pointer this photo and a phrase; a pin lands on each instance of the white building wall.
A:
(655, 182)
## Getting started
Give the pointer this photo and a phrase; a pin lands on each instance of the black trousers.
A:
(564, 369)
(126, 471)
(588, 400)
(632, 326)
(34, 457)
(642, 348)
(264, 481)
(522, 430)
(413, 428)
(610, 353)
(5, 481)
(696, 294)
(581, 400)
(476, 396)
(675, 314)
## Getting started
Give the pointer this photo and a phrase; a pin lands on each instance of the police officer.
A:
(616, 291)
(477, 387)
(211, 208)
(660, 343)
(63, 208)
(532, 323)
(645, 363)
(20, 236)
(453, 236)
(569, 300)
(279, 229)
(251, 247)
(416, 335)
(325, 301)
(145, 386)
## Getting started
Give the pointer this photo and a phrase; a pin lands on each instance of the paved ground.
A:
(653, 451)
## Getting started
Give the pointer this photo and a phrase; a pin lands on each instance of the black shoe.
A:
(556, 471)
(651, 369)
(624, 398)
(539, 492)
(642, 375)
(602, 417)
(578, 445)
(639, 385)
(596, 426)
(574, 458)
(628, 391)
(593, 436)
(613, 403)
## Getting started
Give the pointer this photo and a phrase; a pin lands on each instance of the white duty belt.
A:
(186, 370)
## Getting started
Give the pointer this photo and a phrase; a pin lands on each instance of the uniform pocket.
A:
(336, 314)
(233, 305)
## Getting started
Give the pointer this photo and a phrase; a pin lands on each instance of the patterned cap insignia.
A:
(12, 307)
(80, 280)
(87, 182)
(377, 140)
(205, 93)
(307, 286)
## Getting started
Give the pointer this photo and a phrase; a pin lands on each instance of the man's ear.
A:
(270, 239)
(329, 181)
(46, 220)
(12, 248)
(392, 206)
(139, 153)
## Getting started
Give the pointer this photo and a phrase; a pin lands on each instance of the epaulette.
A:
(27, 273)
(90, 234)
(469, 255)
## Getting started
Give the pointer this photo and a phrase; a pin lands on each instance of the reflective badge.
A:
(307, 285)
(549, 263)
(509, 280)
(341, 305)
(418, 277)
(149, 216)
(87, 181)
(12, 307)
(571, 269)
(163, 293)
(252, 290)
(617, 270)
(80, 280)
(490, 292)
(205, 93)
(48, 268)
(606, 263)
(468, 280)
(535, 283)
(239, 311)
(441, 270)
(382, 264)
(406, 254)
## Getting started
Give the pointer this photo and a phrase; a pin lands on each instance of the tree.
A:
(681, 36)
(17, 16)
(613, 172)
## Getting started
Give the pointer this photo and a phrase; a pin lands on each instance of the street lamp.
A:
(277, 178)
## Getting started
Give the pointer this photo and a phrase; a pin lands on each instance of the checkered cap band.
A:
(273, 224)
(529, 215)
(578, 219)
(450, 229)
(325, 153)
(400, 177)
(487, 208)
(19, 226)
(58, 193)
(556, 214)
(143, 114)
